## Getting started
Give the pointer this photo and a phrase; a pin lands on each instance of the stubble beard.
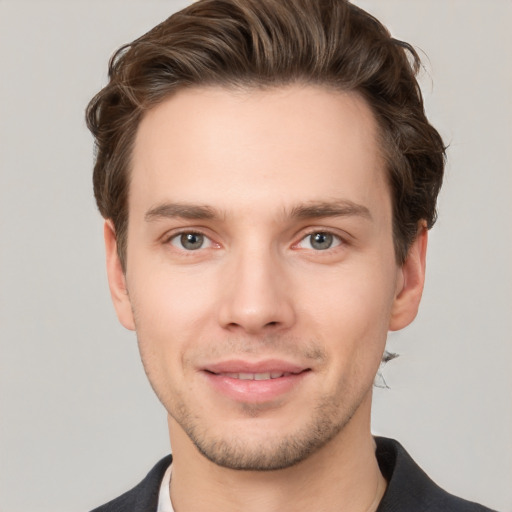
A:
(327, 420)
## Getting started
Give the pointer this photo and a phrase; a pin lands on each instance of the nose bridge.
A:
(255, 297)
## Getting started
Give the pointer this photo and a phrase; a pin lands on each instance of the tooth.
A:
(255, 376)
(261, 376)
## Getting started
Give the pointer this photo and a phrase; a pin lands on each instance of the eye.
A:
(319, 241)
(190, 241)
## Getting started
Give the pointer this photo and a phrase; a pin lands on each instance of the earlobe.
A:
(117, 278)
(410, 283)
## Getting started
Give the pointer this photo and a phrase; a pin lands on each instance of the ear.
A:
(411, 279)
(117, 278)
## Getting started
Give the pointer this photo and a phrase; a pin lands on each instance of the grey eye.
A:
(191, 241)
(321, 241)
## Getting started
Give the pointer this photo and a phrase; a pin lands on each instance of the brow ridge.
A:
(336, 208)
(312, 209)
(184, 211)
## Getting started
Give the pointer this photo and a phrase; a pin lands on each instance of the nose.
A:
(256, 297)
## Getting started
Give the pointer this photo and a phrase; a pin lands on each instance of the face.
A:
(261, 277)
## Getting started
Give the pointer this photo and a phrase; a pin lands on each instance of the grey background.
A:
(78, 421)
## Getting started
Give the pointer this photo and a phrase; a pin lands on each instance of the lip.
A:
(220, 377)
(241, 366)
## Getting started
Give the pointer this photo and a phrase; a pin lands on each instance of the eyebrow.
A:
(336, 208)
(310, 210)
(184, 211)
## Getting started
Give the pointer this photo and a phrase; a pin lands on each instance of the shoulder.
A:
(409, 487)
(144, 496)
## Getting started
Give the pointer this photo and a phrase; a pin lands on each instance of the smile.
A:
(261, 382)
(255, 376)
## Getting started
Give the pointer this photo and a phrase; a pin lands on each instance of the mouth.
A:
(260, 382)
(256, 376)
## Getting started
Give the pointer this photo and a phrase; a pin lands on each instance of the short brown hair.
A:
(266, 43)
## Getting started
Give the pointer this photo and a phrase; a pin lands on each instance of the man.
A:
(268, 177)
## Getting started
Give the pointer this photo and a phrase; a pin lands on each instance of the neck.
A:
(342, 476)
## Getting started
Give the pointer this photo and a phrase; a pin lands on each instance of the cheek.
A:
(167, 298)
(170, 310)
(351, 313)
(167, 322)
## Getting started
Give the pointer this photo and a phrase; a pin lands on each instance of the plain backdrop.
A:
(78, 422)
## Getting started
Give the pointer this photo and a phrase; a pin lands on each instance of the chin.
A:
(262, 444)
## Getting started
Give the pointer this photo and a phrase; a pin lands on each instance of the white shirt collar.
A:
(164, 496)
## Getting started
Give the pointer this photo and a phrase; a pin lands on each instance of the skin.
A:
(256, 173)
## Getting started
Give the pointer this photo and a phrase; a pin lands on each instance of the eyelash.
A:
(337, 240)
(177, 236)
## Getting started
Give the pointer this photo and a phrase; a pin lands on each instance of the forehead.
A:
(236, 148)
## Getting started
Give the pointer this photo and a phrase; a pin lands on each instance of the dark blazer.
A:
(409, 488)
